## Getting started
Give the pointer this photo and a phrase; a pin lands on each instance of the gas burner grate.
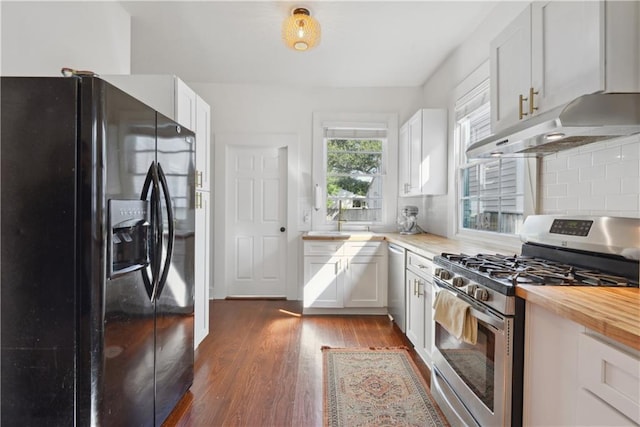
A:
(520, 270)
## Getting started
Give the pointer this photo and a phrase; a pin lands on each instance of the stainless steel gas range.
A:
(481, 384)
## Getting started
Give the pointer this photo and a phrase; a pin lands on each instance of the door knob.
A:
(282, 229)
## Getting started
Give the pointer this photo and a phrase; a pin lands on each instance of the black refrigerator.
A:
(97, 246)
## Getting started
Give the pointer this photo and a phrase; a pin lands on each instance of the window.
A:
(491, 193)
(354, 158)
(354, 178)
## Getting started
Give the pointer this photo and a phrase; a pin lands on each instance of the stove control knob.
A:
(481, 294)
(457, 282)
(444, 274)
(471, 289)
(437, 271)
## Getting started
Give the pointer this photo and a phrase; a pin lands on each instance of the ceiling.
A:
(364, 43)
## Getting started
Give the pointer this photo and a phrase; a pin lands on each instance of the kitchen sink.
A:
(333, 233)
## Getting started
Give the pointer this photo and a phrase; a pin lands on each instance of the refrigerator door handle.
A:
(172, 230)
(153, 182)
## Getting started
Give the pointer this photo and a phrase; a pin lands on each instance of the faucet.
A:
(340, 220)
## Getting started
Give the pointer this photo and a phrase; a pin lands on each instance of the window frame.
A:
(530, 198)
(388, 167)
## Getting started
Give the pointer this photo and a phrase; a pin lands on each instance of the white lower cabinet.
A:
(419, 301)
(323, 281)
(574, 376)
(345, 274)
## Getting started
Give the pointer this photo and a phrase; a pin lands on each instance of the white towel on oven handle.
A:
(455, 316)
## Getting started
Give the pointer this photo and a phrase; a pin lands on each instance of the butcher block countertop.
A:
(613, 312)
(430, 245)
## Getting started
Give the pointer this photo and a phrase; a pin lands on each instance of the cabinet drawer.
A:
(364, 248)
(611, 374)
(312, 247)
(420, 265)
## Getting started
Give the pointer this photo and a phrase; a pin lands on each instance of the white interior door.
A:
(256, 221)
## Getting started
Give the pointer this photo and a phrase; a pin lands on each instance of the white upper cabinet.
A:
(185, 109)
(422, 153)
(510, 70)
(555, 51)
(203, 145)
(567, 53)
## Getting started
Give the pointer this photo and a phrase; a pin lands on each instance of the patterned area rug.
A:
(376, 387)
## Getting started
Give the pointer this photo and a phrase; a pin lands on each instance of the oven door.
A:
(479, 376)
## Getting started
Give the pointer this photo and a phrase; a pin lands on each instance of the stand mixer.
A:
(408, 221)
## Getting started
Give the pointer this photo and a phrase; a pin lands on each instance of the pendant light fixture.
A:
(300, 31)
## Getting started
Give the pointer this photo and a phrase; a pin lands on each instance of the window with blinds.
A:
(354, 173)
(491, 192)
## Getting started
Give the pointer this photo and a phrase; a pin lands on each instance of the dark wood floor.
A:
(262, 366)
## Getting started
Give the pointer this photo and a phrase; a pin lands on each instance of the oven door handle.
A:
(496, 323)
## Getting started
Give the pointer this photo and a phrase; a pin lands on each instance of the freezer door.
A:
(38, 311)
(124, 371)
(175, 297)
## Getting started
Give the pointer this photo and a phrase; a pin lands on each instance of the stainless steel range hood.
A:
(587, 119)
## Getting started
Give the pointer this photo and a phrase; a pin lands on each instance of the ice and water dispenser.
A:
(129, 235)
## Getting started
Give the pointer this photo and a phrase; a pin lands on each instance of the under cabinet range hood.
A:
(587, 119)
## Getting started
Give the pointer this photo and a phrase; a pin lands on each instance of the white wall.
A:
(436, 212)
(39, 38)
(255, 109)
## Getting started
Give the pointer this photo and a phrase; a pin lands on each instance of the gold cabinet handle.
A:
(532, 92)
(521, 112)
(199, 179)
(198, 200)
(420, 293)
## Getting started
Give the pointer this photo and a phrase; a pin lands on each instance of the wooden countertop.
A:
(350, 237)
(613, 312)
(430, 245)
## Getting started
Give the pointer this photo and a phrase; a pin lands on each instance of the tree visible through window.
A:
(354, 179)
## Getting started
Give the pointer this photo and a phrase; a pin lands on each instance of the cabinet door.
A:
(403, 160)
(415, 153)
(427, 338)
(185, 105)
(550, 368)
(365, 281)
(203, 144)
(510, 71)
(202, 264)
(323, 281)
(567, 51)
(415, 310)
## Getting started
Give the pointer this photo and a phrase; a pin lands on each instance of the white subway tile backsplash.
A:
(630, 185)
(623, 169)
(623, 202)
(549, 178)
(579, 188)
(590, 203)
(567, 176)
(555, 164)
(556, 190)
(579, 161)
(606, 186)
(631, 150)
(592, 173)
(607, 156)
(568, 203)
(595, 179)
(549, 204)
